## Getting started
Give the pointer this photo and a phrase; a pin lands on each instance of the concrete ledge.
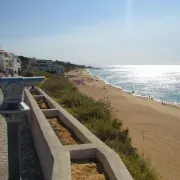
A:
(79, 130)
(41, 97)
(110, 160)
(50, 112)
(35, 91)
(54, 157)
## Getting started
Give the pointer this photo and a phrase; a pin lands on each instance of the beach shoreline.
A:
(154, 128)
(172, 104)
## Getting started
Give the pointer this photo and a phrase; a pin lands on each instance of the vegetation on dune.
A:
(46, 74)
(97, 117)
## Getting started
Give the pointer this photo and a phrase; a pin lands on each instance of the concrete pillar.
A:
(13, 132)
(13, 150)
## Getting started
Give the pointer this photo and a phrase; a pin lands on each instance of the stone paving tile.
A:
(3, 147)
(3, 150)
(29, 164)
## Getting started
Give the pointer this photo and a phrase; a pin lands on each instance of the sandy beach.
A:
(154, 128)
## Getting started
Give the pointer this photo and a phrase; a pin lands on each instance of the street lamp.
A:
(13, 109)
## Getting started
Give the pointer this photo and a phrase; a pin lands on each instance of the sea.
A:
(161, 82)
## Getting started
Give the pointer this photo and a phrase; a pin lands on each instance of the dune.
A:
(154, 128)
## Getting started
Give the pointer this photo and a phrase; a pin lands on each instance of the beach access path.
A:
(154, 128)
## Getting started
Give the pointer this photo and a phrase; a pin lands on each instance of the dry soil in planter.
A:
(42, 104)
(88, 169)
(65, 135)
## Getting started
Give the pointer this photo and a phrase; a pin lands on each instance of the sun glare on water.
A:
(155, 71)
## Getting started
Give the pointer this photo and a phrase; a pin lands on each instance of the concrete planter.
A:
(34, 92)
(43, 102)
(65, 134)
(55, 158)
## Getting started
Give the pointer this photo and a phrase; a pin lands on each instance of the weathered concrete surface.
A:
(110, 160)
(54, 160)
(54, 157)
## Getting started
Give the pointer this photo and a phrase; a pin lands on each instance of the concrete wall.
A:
(51, 155)
(55, 159)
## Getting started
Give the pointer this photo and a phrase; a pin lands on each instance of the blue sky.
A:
(93, 32)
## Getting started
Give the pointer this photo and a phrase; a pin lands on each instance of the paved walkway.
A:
(29, 163)
(3, 147)
(3, 150)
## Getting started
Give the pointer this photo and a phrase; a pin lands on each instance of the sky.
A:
(93, 32)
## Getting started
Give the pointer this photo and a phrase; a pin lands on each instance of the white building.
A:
(9, 61)
(45, 65)
(34, 61)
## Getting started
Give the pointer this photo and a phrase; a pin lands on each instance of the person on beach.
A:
(163, 103)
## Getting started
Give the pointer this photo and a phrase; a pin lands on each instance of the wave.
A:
(139, 88)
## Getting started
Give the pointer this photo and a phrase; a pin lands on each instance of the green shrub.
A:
(46, 74)
(88, 111)
(57, 83)
(97, 117)
(71, 99)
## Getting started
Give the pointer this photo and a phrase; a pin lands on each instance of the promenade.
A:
(3, 148)
(29, 162)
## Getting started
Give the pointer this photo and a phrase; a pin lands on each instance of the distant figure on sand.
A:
(163, 103)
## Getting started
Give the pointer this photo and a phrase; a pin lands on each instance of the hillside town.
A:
(11, 64)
